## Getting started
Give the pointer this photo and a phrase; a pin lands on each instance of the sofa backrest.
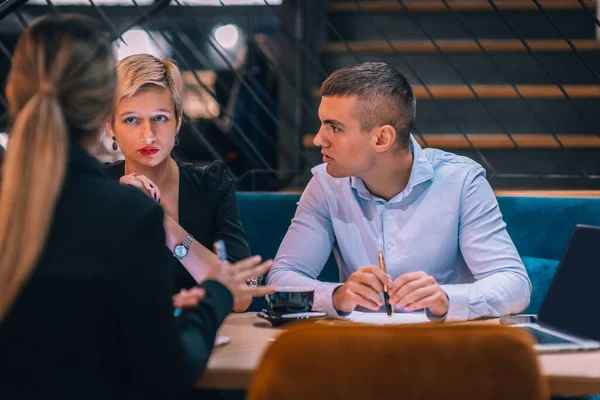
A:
(266, 218)
(542, 226)
(539, 226)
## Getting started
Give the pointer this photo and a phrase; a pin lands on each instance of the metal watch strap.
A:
(186, 245)
(188, 241)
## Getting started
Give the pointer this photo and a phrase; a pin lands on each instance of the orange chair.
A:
(428, 362)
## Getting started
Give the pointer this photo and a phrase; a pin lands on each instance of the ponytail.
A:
(32, 177)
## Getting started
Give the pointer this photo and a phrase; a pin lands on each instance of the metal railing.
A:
(264, 88)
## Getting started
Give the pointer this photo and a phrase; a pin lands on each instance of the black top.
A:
(208, 210)
(95, 321)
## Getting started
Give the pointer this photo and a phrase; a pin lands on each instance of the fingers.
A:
(400, 296)
(369, 279)
(258, 270)
(143, 183)
(359, 300)
(149, 186)
(415, 296)
(426, 302)
(375, 271)
(131, 181)
(246, 263)
(401, 283)
(372, 297)
(260, 291)
(188, 298)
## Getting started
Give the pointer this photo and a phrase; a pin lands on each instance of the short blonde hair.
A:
(139, 71)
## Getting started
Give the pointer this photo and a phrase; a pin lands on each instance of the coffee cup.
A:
(290, 300)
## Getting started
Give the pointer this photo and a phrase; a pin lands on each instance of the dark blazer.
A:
(208, 210)
(95, 321)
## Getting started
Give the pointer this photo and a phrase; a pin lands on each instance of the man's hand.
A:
(363, 288)
(417, 290)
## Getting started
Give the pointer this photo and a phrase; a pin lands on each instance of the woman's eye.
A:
(130, 120)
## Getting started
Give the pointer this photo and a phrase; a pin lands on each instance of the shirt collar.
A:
(422, 171)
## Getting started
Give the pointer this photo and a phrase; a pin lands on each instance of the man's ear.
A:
(385, 138)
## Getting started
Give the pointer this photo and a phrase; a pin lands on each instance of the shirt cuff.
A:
(323, 300)
(458, 308)
(435, 318)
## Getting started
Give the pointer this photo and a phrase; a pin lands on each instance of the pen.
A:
(386, 297)
(219, 247)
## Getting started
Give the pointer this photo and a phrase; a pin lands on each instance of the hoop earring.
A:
(115, 146)
(177, 139)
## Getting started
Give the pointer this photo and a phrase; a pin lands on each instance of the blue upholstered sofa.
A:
(540, 227)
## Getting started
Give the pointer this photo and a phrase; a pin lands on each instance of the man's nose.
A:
(319, 139)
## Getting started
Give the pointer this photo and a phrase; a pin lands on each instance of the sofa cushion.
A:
(541, 271)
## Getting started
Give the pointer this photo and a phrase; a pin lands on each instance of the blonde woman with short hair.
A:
(200, 203)
(85, 305)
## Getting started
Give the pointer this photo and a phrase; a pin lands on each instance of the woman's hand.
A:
(188, 298)
(143, 183)
(242, 303)
(234, 277)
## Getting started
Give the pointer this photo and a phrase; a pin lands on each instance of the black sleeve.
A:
(161, 354)
(209, 315)
(228, 225)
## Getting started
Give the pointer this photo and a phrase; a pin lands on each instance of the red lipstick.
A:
(148, 151)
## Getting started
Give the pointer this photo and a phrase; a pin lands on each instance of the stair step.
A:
(497, 141)
(521, 169)
(493, 69)
(456, 5)
(458, 46)
(575, 24)
(462, 92)
(535, 116)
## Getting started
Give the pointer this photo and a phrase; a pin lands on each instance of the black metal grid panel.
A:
(263, 89)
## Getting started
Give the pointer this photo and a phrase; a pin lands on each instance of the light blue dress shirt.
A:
(446, 222)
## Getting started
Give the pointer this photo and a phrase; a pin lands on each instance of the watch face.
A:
(180, 251)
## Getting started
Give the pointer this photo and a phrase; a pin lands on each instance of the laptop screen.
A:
(572, 304)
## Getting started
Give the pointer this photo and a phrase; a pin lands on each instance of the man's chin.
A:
(335, 172)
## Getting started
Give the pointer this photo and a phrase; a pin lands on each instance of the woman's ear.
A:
(109, 128)
(179, 120)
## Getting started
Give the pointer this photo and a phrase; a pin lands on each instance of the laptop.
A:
(569, 318)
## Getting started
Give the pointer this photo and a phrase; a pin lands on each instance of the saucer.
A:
(278, 319)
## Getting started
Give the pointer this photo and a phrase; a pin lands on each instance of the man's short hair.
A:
(383, 95)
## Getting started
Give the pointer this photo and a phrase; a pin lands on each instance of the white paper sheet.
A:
(383, 319)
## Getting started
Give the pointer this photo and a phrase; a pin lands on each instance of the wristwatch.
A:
(181, 250)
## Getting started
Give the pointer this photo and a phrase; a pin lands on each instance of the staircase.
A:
(480, 91)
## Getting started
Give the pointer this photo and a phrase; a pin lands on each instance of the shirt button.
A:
(389, 245)
(388, 206)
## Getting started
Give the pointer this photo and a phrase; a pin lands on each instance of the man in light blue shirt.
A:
(432, 213)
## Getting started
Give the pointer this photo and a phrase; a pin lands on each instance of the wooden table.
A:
(232, 366)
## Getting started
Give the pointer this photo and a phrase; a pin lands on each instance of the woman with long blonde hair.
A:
(85, 299)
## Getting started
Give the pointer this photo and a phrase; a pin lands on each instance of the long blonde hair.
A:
(60, 90)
